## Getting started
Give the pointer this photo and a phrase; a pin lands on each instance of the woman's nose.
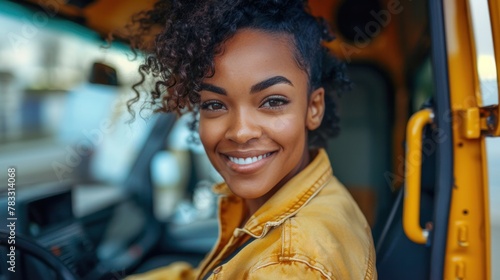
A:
(243, 128)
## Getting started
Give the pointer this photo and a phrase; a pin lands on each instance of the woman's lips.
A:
(246, 162)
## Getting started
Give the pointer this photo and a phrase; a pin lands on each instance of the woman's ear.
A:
(315, 109)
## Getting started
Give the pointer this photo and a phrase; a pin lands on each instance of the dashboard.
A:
(49, 221)
(46, 215)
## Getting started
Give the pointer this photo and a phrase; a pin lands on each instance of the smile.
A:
(248, 160)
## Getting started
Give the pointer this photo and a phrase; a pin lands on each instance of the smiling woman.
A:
(265, 89)
(263, 112)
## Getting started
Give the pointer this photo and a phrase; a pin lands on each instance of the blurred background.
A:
(63, 114)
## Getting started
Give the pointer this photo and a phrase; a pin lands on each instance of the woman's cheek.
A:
(208, 133)
(285, 124)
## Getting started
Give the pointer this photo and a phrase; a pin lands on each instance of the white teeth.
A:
(248, 160)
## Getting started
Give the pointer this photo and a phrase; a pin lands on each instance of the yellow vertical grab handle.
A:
(413, 171)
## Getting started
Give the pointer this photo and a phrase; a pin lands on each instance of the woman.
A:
(264, 88)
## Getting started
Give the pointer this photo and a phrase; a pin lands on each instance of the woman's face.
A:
(255, 114)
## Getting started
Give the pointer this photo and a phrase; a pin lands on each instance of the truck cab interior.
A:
(98, 196)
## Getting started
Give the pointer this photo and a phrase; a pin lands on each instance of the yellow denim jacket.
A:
(310, 229)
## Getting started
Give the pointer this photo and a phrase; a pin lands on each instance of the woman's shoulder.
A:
(332, 216)
(331, 234)
(316, 247)
(327, 238)
(333, 205)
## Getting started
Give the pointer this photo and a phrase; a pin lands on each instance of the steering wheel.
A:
(30, 247)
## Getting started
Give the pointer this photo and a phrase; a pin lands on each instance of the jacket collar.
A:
(289, 199)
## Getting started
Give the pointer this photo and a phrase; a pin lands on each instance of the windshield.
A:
(62, 101)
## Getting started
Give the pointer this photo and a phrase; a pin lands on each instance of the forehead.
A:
(257, 54)
(257, 38)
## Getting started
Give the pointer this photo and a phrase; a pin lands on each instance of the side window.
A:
(62, 105)
(423, 87)
(489, 93)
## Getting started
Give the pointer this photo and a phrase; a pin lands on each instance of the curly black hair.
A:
(192, 34)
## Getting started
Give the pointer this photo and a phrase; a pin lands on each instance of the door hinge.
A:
(480, 121)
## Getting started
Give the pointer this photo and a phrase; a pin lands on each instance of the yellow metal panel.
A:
(468, 233)
(494, 6)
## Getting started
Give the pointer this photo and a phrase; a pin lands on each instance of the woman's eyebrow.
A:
(255, 88)
(213, 88)
(270, 82)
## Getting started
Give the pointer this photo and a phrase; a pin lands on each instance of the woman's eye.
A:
(212, 106)
(275, 102)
